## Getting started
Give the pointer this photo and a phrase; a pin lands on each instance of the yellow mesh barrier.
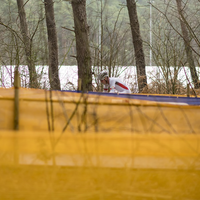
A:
(89, 147)
(103, 150)
(61, 111)
(51, 165)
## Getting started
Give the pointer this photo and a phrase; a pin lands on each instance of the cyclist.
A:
(114, 84)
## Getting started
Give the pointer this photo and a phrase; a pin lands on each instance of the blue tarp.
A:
(147, 97)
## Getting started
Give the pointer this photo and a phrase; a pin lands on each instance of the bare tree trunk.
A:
(33, 83)
(53, 46)
(137, 43)
(43, 39)
(188, 49)
(82, 44)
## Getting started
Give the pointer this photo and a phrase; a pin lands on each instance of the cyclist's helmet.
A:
(102, 75)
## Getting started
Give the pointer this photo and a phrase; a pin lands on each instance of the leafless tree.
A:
(27, 40)
(53, 46)
(188, 49)
(82, 44)
(137, 42)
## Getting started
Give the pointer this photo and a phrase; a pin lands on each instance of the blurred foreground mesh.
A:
(97, 148)
(99, 166)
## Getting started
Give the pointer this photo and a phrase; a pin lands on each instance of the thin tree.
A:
(82, 44)
(137, 43)
(188, 49)
(33, 83)
(53, 46)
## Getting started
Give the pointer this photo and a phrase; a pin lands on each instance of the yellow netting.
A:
(44, 165)
(101, 148)
(61, 111)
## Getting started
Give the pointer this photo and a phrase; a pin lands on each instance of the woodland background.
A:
(162, 24)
